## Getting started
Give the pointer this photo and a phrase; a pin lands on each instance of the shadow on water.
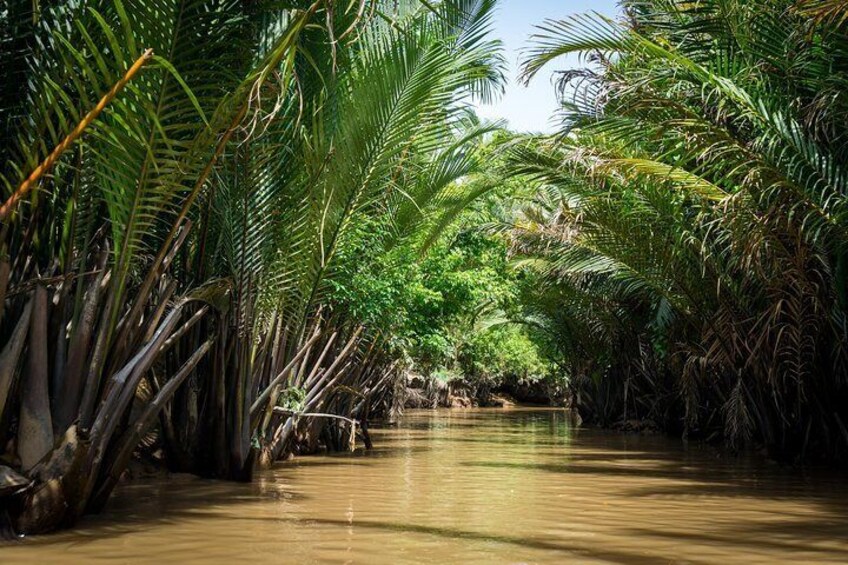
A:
(663, 498)
(773, 538)
(727, 481)
(160, 503)
(576, 550)
(689, 478)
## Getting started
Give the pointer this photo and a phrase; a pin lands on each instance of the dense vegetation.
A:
(230, 228)
(451, 307)
(174, 260)
(691, 220)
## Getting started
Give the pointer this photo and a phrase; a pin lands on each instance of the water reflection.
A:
(478, 486)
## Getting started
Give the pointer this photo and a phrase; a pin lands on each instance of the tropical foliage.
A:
(450, 309)
(184, 183)
(690, 221)
(227, 229)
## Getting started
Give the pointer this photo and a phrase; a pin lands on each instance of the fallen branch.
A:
(280, 410)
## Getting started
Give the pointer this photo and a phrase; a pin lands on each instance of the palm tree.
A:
(701, 186)
(166, 253)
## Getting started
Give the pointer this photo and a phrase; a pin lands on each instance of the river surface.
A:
(476, 486)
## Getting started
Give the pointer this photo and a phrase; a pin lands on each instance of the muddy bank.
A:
(422, 392)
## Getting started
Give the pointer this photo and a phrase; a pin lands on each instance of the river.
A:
(476, 486)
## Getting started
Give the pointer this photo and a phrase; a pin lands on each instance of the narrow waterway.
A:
(477, 486)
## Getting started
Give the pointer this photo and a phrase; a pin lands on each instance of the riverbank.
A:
(430, 394)
(420, 393)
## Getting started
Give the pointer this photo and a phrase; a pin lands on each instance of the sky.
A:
(530, 109)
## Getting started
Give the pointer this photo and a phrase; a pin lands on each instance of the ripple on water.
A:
(476, 486)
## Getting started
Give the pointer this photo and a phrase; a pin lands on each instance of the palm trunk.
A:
(70, 393)
(10, 356)
(128, 442)
(35, 432)
(5, 269)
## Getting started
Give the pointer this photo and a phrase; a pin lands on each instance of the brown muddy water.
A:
(476, 486)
